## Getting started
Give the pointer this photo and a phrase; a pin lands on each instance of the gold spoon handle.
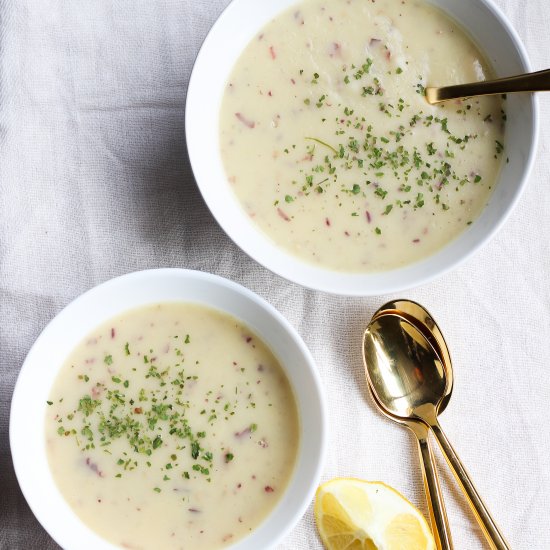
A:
(490, 529)
(436, 506)
(529, 82)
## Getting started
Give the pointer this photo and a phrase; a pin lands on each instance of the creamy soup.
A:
(172, 427)
(331, 147)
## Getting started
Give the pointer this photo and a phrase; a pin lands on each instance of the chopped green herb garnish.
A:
(195, 449)
(323, 143)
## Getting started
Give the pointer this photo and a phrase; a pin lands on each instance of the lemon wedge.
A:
(352, 514)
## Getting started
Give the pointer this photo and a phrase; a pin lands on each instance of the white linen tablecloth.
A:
(95, 182)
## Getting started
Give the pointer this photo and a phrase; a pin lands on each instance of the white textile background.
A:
(94, 183)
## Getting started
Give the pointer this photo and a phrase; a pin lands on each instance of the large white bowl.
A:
(109, 299)
(228, 37)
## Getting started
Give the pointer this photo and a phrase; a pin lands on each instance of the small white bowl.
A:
(497, 39)
(65, 331)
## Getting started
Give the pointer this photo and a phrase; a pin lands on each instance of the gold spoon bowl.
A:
(419, 316)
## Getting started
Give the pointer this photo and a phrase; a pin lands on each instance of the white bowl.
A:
(221, 49)
(129, 291)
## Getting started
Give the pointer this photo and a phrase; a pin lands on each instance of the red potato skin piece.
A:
(283, 215)
(242, 433)
(272, 52)
(247, 122)
(94, 467)
(335, 49)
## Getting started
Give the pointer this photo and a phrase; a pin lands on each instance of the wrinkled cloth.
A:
(95, 182)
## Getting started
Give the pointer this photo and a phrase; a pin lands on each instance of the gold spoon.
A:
(422, 319)
(409, 380)
(425, 323)
(528, 82)
(434, 496)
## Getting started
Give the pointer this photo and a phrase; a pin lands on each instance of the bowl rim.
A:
(37, 499)
(345, 283)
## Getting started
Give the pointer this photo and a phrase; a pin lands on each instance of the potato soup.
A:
(331, 147)
(172, 426)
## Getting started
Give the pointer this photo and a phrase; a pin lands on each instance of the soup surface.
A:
(173, 427)
(331, 147)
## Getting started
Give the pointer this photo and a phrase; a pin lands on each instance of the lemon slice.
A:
(353, 514)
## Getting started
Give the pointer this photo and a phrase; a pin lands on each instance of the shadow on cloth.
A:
(145, 192)
(31, 313)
